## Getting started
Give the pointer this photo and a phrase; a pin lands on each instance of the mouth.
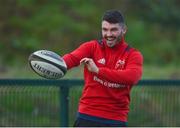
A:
(110, 38)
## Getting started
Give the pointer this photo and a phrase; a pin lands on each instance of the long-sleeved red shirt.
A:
(107, 94)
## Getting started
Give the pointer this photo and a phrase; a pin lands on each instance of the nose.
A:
(108, 33)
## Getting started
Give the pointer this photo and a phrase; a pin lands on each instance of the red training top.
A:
(107, 94)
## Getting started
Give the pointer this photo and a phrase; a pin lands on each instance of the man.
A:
(111, 68)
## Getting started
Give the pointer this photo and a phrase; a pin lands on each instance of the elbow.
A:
(134, 79)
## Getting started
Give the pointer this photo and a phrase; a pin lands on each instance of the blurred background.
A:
(62, 25)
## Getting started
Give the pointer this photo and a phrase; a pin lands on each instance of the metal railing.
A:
(64, 87)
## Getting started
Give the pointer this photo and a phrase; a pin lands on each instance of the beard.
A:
(111, 41)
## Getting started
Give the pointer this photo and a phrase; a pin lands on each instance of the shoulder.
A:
(132, 50)
(137, 51)
(135, 54)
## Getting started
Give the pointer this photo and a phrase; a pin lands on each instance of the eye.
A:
(114, 29)
(104, 29)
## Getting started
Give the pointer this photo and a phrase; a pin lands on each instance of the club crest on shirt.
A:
(101, 61)
(120, 64)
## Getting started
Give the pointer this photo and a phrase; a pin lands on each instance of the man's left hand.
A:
(90, 65)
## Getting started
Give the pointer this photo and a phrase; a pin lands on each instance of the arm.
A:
(131, 75)
(73, 59)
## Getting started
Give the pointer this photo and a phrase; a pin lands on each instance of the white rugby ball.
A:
(47, 64)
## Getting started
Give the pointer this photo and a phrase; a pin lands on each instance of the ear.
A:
(124, 29)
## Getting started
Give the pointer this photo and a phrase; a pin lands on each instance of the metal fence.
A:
(25, 102)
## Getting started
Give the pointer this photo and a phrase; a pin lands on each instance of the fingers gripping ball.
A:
(47, 64)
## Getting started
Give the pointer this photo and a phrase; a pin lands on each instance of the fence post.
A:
(64, 103)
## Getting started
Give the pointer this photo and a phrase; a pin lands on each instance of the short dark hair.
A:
(113, 16)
